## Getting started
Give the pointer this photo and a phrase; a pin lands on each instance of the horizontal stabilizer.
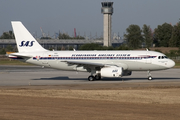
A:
(20, 55)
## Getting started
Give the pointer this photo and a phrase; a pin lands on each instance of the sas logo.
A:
(26, 43)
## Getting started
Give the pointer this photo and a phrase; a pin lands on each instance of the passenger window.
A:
(162, 57)
(159, 57)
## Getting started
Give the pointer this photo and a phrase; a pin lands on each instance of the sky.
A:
(85, 15)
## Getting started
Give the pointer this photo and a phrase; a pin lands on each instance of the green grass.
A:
(12, 62)
(177, 64)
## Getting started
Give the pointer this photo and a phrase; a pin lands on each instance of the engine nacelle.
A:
(112, 71)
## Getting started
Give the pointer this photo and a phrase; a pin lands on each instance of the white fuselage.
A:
(101, 63)
(129, 60)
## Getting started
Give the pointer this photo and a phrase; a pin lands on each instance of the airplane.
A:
(113, 64)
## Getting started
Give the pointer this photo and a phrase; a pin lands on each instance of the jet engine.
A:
(112, 71)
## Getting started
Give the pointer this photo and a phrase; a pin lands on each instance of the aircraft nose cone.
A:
(171, 64)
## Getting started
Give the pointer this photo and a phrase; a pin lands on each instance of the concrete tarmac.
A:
(35, 75)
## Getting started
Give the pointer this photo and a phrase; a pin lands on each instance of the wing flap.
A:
(94, 64)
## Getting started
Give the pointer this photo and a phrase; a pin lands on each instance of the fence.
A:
(177, 58)
(4, 57)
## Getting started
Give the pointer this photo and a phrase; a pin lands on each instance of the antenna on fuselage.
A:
(147, 49)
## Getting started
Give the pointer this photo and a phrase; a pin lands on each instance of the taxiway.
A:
(35, 75)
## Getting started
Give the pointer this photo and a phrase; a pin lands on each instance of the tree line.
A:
(10, 35)
(164, 35)
(7, 35)
(66, 36)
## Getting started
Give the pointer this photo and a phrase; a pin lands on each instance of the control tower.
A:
(107, 10)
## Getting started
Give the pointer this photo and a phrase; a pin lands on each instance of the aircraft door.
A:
(148, 59)
(44, 59)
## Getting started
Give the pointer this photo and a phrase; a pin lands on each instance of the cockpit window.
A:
(162, 57)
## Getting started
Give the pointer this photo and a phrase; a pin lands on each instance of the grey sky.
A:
(85, 15)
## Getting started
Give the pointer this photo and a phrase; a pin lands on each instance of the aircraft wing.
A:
(93, 64)
(79, 63)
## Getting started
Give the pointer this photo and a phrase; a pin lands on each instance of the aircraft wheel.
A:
(97, 77)
(150, 78)
(91, 78)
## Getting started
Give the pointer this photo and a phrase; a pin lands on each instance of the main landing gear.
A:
(149, 75)
(96, 77)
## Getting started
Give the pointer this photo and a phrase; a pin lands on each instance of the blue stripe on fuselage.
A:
(90, 58)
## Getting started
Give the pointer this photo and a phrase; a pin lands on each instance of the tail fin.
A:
(24, 40)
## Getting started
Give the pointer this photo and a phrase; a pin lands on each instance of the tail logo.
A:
(26, 43)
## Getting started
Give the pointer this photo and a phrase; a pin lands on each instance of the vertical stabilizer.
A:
(24, 40)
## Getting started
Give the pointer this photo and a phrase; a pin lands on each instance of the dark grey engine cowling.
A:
(127, 73)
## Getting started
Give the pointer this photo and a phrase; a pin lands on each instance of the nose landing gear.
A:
(149, 75)
(149, 78)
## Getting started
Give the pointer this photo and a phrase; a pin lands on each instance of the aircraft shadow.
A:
(105, 79)
(61, 78)
(129, 79)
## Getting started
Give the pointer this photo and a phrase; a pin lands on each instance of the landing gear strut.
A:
(149, 76)
(97, 76)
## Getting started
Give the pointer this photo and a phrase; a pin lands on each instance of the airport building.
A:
(107, 11)
(59, 43)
